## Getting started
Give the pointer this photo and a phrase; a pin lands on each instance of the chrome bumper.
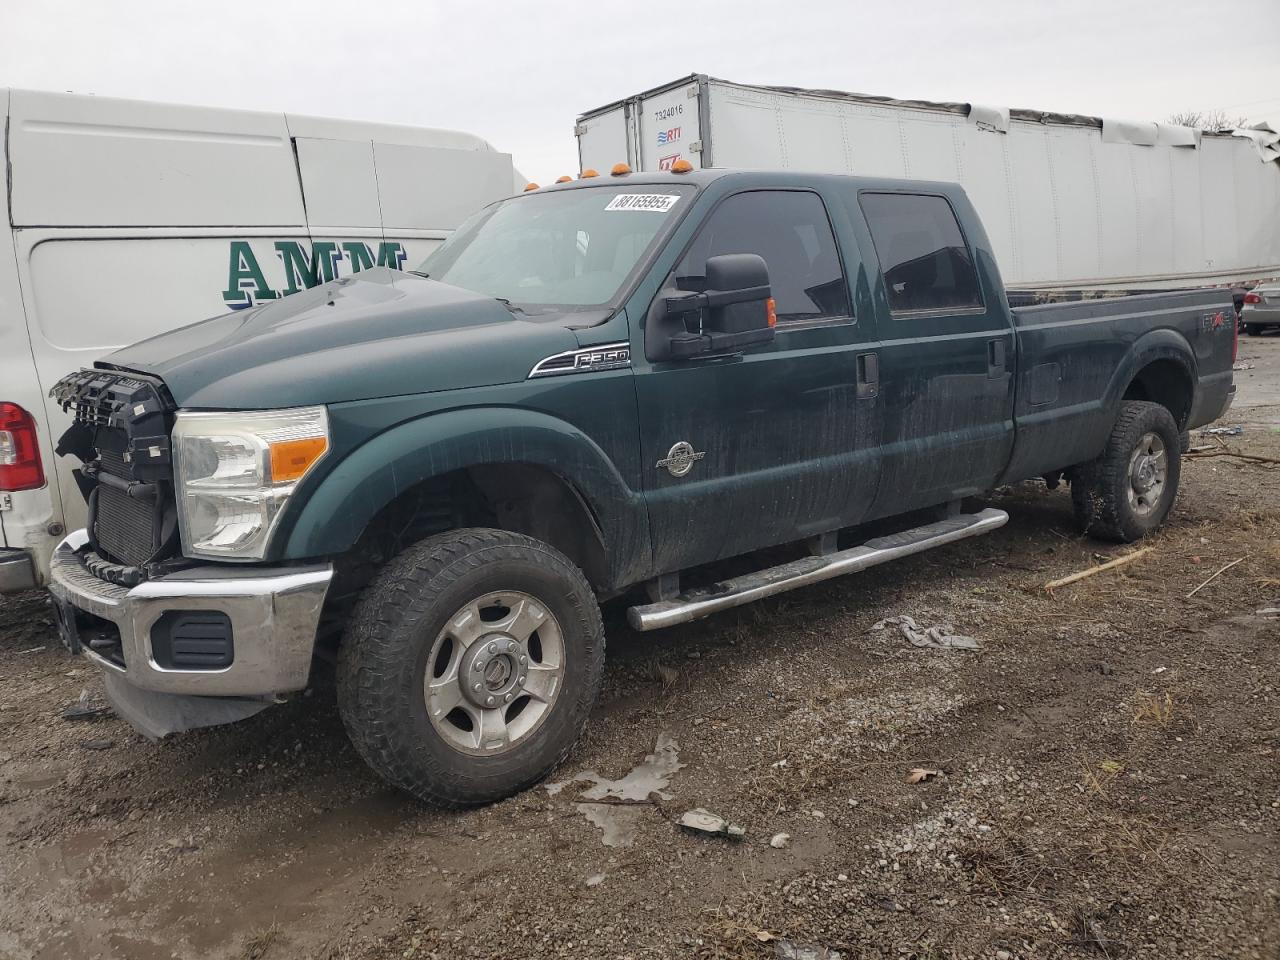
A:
(273, 613)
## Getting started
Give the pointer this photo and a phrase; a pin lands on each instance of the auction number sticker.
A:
(645, 202)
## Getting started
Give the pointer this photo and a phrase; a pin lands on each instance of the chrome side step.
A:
(801, 573)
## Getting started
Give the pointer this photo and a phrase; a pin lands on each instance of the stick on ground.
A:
(1109, 565)
(1214, 577)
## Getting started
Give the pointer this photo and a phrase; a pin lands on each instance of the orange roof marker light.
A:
(564, 179)
(681, 166)
(530, 186)
(619, 170)
(588, 173)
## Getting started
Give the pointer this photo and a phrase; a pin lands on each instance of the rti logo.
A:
(669, 136)
(666, 163)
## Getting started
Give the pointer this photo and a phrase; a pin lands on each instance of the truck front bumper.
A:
(260, 643)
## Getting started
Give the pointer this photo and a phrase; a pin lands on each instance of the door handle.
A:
(995, 358)
(868, 365)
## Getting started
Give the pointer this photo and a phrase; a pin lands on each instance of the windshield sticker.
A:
(645, 202)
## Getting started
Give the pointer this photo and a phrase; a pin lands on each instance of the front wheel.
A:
(1128, 491)
(470, 666)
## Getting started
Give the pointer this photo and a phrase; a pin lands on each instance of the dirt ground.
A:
(1108, 776)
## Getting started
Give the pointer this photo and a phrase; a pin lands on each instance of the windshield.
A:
(567, 248)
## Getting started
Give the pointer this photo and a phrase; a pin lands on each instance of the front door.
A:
(765, 446)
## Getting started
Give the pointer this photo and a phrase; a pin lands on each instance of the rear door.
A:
(766, 446)
(945, 358)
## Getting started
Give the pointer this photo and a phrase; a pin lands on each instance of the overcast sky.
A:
(518, 74)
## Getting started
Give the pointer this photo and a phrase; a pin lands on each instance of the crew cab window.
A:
(927, 266)
(790, 230)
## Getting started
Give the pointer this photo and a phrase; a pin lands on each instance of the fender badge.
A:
(680, 459)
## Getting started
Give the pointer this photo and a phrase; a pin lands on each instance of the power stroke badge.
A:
(680, 459)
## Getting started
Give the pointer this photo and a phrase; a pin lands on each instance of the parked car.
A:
(1261, 309)
(591, 389)
(125, 218)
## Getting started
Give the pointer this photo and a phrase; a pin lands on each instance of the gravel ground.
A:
(1106, 776)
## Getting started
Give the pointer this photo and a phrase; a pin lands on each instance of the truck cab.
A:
(592, 389)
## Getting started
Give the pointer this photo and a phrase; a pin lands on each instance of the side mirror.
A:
(736, 311)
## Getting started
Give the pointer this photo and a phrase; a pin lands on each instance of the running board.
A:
(800, 573)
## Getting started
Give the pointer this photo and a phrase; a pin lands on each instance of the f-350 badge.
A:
(680, 459)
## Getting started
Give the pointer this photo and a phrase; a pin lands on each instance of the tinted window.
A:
(791, 232)
(922, 252)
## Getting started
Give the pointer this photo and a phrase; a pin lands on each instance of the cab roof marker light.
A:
(588, 173)
(564, 179)
(681, 166)
(530, 186)
(619, 170)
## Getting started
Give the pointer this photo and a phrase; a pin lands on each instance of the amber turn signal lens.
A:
(290, 459)
(588, 173)
(619, 170)
(681, 166)
(563, 179)
(530, 186)
(771, 311)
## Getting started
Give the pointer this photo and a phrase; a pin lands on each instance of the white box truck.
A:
(127, 218)
(1069, 202)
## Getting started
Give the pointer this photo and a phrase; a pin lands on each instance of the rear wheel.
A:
(1253, 329)
(1128, 491)
(471, 665)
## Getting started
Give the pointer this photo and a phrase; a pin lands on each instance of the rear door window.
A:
(927, 266)
(789, 229)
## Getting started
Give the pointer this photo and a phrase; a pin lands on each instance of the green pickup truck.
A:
(593, 390)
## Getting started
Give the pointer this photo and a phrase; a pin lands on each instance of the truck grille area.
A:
(120, 431)
(124, 526)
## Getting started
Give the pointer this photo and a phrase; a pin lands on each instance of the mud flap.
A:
(157, 715)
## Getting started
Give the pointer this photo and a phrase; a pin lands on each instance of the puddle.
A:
(617, 806)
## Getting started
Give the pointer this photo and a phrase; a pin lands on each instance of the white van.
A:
(126, 218)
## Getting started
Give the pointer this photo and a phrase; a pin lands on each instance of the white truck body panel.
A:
(1069, 202)
(130, 218)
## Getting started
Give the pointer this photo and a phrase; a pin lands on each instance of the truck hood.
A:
(379, 333)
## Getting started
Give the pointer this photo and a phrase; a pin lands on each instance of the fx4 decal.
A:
(247, 282)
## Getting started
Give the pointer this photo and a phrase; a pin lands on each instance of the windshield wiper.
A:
(511, 306)
(425, 276)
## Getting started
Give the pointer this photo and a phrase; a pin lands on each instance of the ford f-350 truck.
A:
(597, 388)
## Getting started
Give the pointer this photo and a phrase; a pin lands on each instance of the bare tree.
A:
(1207, 119)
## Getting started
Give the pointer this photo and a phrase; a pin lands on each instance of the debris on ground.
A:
(1214, 577)
(779, 840)
(1236, 431)
(1053, 585)
(595, 880)
(617, 806)
(98, 744)
(701, 820)
(790, 950)
(940, 637)
(85, 709)
(921, 774)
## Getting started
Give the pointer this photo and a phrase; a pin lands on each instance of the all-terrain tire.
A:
(382, 663)
(1100, 490)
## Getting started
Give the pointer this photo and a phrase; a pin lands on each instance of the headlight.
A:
(234, 473)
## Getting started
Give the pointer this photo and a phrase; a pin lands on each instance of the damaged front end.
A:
(182, 643)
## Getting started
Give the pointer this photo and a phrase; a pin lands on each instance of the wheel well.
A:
(1167, 383)
(519, 497)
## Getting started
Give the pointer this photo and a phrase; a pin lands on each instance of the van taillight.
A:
(20, 467)
(1252, 298)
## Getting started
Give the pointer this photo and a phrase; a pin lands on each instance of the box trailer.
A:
(1069, 201)
(128, 218)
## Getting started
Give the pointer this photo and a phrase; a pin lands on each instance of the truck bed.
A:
(1076, 361)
